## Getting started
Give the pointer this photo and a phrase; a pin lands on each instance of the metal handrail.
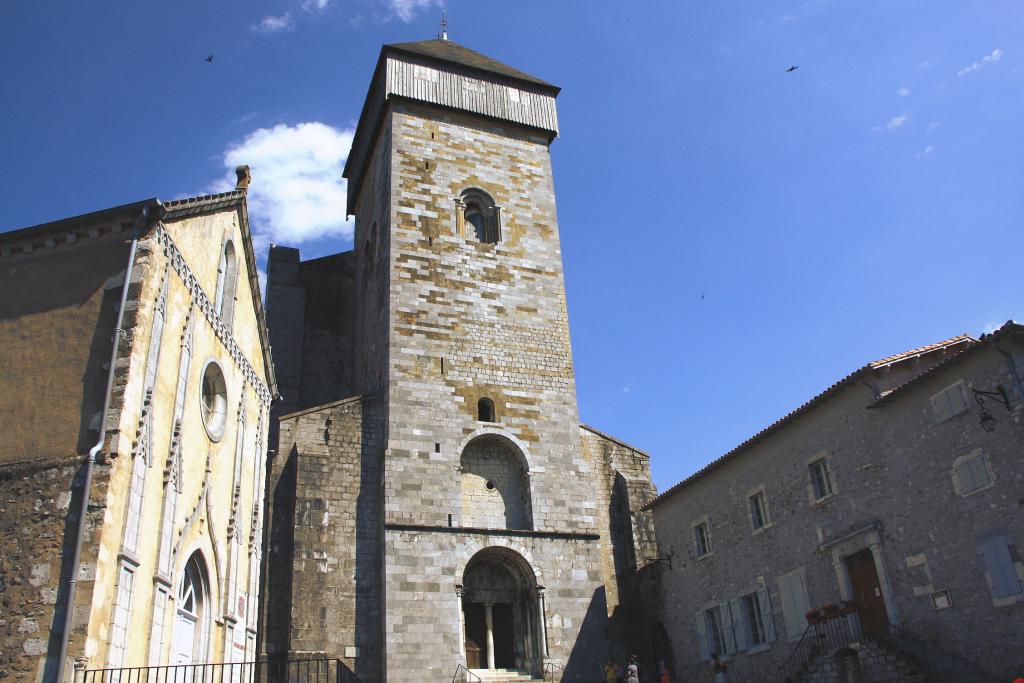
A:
(846, 627)
(463, 667)
(553, 668)
(312, 670)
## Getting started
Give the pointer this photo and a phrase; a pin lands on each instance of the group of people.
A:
(616, 673)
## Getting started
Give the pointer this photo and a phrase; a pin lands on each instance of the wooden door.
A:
(504, 636)
(476, 635)
(867, 591)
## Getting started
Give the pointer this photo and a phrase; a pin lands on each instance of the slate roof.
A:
(452, 52)
(964, 341)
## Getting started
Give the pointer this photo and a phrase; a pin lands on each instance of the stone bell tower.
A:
(455, 504)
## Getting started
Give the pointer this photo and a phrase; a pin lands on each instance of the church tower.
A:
(448, 508)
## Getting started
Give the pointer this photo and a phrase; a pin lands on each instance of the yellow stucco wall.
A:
(199, 524)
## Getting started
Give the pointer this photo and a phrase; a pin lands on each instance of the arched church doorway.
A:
(501, 612)
(192, 614)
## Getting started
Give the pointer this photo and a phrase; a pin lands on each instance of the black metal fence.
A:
(270, 671)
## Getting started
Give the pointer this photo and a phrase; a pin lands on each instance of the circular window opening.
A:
(214, 398)
(490, 485)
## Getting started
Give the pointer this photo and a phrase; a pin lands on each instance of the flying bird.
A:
(209, 57)
(793, 68)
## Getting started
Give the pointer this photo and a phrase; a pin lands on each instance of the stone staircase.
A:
(501, 676)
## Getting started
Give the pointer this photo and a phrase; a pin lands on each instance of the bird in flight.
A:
(209, 57)
(792, 68)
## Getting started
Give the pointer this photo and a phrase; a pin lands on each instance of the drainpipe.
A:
(90, 461)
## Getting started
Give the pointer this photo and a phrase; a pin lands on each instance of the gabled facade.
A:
(136, 360)
(893, 496)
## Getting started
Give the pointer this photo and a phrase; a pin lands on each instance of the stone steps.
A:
(502, 676)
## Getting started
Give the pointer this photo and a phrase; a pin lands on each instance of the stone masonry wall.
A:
(893, 480)
(38, 512)
(627, 535)
(324, 561)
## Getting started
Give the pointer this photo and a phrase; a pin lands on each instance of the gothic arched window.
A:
(227, 275)
(481, 216)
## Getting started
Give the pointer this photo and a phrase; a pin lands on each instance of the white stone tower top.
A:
(443, 73)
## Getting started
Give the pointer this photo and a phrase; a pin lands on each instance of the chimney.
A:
(244, 177)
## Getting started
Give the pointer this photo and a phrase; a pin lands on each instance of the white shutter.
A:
(740, 639)
(765, 603)
(793, 596)
(702, 637)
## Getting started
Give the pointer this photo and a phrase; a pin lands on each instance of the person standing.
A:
(719, 668)
(632, 671)
(611, 672)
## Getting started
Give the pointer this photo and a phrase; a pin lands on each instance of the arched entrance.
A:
(501, 612)
(191, 633)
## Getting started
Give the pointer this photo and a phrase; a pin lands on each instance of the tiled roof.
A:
(449, 51)
(965, 340)
(1008, 327)
(889, 360)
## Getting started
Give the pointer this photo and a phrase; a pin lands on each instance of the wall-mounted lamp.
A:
(985, 417)
(664, 560)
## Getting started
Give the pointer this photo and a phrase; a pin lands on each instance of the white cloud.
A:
(272, 24)
(926, 151)
(903, 92)
(315, 5)
(897, 121)
(406, 10)
(994, 56)
(297, 192)
(991, 327)
(932, 126)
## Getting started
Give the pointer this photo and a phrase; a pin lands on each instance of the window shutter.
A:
(740, 639)
(979, 472)
(765, 602)
(999, 566)
(702, 637)
(964, 479)
(725, 617)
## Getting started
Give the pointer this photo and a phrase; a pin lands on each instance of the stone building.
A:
(434, 499)
(136, 386)
(898, 488)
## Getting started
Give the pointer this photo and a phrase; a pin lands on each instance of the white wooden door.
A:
(184, 642)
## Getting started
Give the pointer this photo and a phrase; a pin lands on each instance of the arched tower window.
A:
(481, 216)
(495, 485)
(227, 276)
(485, 410)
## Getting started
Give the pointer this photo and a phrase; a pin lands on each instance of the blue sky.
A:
(736, 237)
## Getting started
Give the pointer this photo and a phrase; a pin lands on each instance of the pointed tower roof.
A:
(444, 50)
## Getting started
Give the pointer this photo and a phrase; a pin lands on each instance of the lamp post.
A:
(985, 417)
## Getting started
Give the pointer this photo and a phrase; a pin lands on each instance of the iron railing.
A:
(553, 671)
(464, 675)
(846, 626)
(268, 671)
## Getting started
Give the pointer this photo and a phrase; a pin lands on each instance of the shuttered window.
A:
(972, 473)
(820, 481)
(795, 604)
(950, 402)
(710, 636)
(1003, 566)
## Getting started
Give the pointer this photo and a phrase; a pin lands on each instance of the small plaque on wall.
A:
(351, 652)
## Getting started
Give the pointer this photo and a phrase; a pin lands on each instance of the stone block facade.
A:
(174, 498)
(886, 490)
(475, 527)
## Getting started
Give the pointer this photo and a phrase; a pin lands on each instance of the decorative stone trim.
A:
(205, 304)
